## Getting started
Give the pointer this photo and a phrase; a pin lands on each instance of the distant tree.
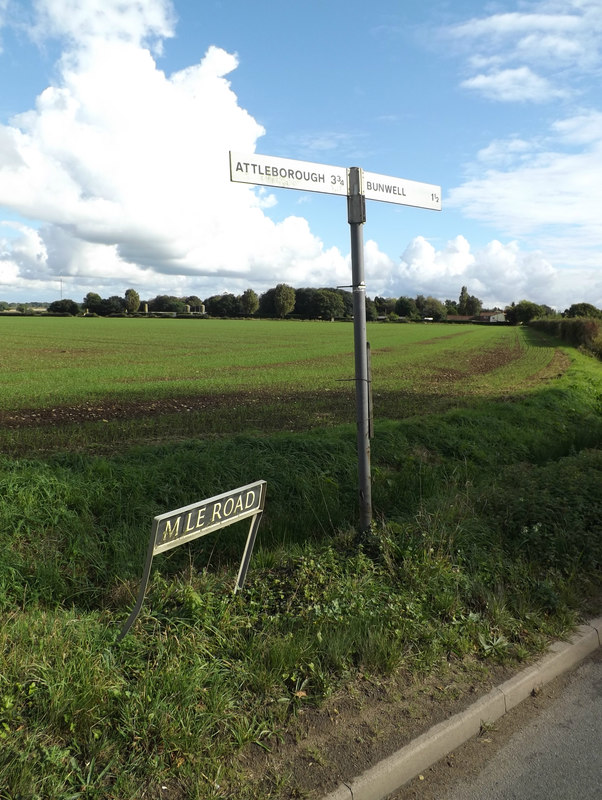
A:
(248, 302)
(166, 303)
(406, 307)
(583, 310)
(230, 305)
(284, 300)
(326, 302)
(434, 308)
(385, 305)
(132, 301)
(451, 307)
(468, 304)
(329, 304)
(523, 312)
(347, 298)
(212, 305)
(64, 307)
(420, 303)
(194, 302)
(222, 305)
(462, 300)
(112, 305)
(548, 311)
(473, 306)
(266, 304)
(93, 303)
(305, 303)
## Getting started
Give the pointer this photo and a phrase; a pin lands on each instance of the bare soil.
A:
(364, 723)
(120, 410)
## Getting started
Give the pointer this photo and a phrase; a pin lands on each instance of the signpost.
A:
(185, 524)
(357, 186)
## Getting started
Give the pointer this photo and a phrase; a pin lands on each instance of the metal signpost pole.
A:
(356, 214)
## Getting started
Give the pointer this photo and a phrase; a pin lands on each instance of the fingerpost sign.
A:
(358, 186)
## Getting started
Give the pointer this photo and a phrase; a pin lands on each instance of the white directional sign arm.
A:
(401, 191)
(287, 173)
(307, 176)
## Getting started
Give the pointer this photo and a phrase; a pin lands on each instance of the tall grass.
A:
(466, 573)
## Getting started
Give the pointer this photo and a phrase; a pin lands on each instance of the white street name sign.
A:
(199, 519)
(185, 524)
(287, 173)
(401, 191)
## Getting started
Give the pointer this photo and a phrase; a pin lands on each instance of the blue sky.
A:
(116, 120)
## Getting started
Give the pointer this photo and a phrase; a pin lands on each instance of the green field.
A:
(162, 378)
(65, 361)
(487, 541)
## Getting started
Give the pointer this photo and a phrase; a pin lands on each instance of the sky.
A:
(117, 118)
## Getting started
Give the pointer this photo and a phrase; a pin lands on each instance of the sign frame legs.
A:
(246, 557)
(143, 584)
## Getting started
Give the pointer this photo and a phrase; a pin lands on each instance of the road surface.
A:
(547, 748)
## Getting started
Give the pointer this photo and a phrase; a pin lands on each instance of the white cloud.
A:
(441, 273)
(22, 252)
(537, 47)
(513, 85)
(135, 21)
(505, 151)
(553, 188)
(499, 26)
(378, 266)
(584, 128)
(126, 168)
(531, 55)
(497, 273)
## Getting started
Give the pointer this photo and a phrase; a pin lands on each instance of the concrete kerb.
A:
(392, 773)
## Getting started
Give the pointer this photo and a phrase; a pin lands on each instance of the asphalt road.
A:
(547, 748)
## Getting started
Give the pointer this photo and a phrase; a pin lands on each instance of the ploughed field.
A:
(92, 382)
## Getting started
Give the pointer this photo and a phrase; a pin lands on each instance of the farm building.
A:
(484, 316)
(492, 316)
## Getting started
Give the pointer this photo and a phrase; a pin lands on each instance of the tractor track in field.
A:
(121, 410)
(447, 372)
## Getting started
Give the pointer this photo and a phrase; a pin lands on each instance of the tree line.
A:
(307, 303)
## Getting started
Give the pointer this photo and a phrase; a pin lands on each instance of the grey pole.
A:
(356, 215)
